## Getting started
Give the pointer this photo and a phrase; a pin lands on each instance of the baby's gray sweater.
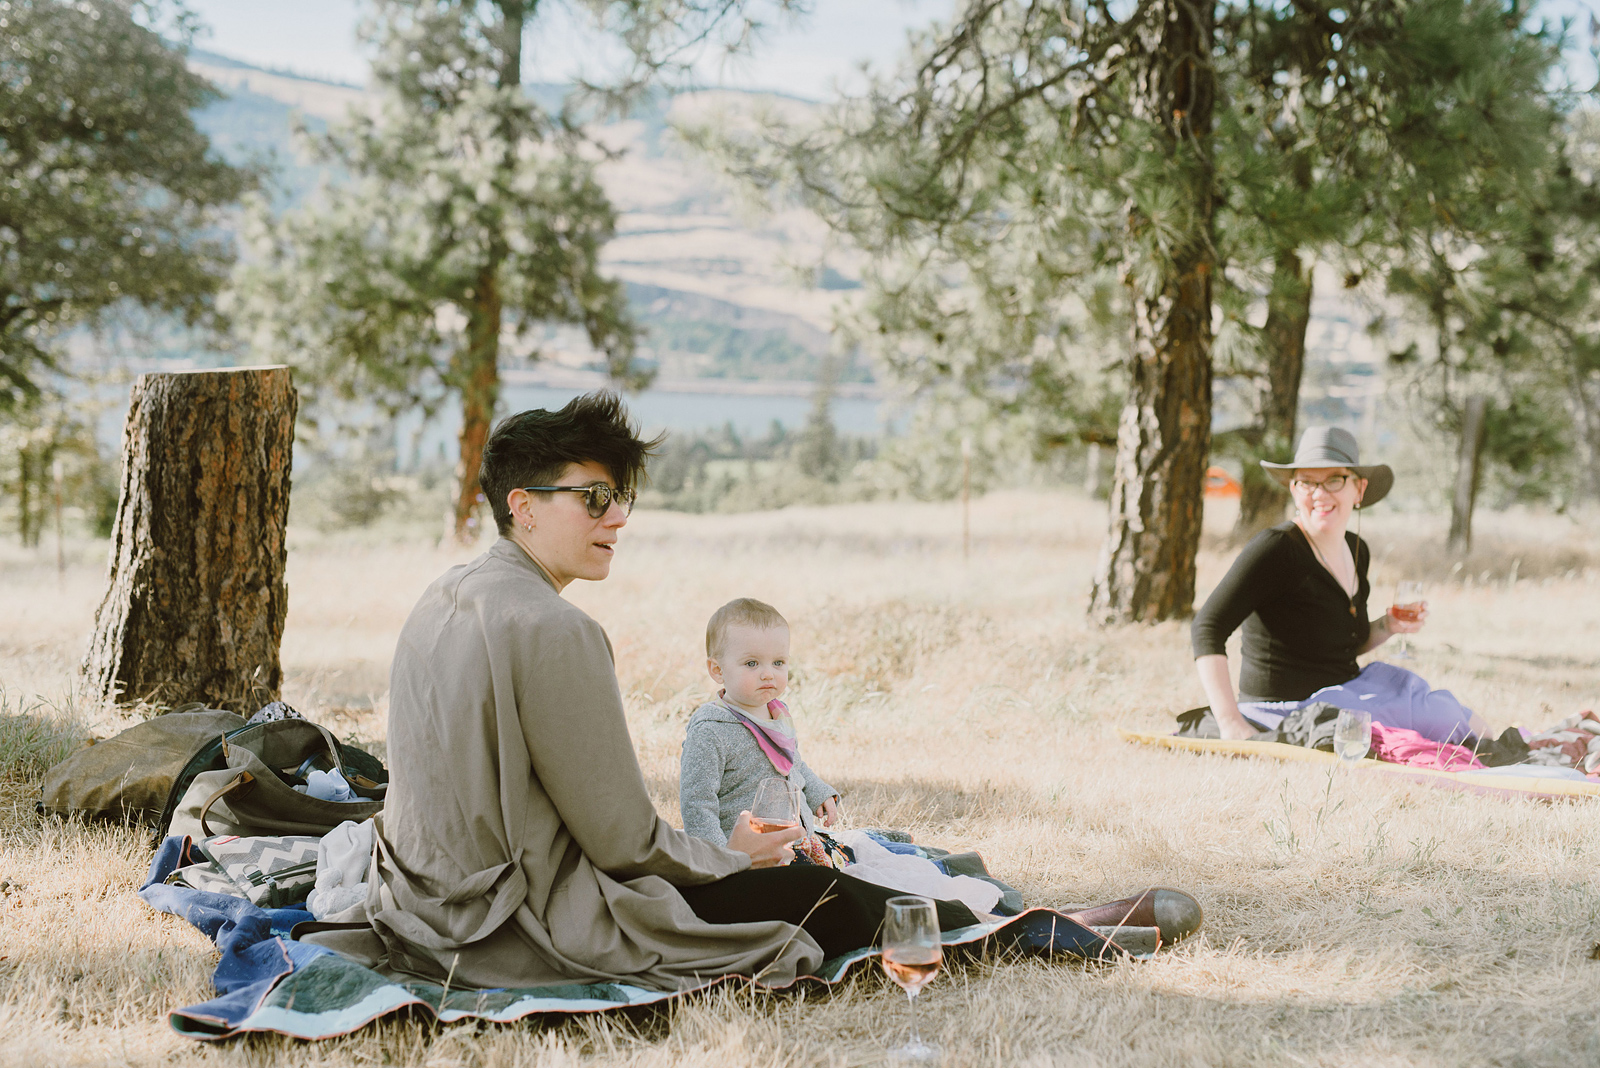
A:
(721, 768)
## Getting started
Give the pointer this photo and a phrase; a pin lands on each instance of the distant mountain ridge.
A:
(719, 296)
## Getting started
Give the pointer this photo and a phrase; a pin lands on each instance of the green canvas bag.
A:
(248, 790)
(130, 776)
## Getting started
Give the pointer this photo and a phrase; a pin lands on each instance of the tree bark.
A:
(478, 376)
(25, 527)
(196, 599)
(1147, 568)
(477, 365)
(1468, 469)
(1262, 501)
(1585, 406)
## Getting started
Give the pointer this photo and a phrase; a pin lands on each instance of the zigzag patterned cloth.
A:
(270, 872)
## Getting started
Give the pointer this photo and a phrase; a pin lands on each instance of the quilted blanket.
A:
(268, 981)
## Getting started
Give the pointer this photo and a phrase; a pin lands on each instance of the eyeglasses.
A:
(1333, 483)
(597, 497)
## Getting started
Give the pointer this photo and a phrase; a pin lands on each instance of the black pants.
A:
(848, 920)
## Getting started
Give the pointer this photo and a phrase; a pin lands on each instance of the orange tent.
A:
(1221, 484)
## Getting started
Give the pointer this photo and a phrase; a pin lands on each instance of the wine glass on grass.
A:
(912, 954)
(1352, 735)
(1408, 606)
(774, 808)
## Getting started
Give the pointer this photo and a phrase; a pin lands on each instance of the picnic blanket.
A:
(268, 981)
(1518, 780)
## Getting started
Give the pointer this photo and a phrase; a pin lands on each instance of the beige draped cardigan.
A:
(517, 845)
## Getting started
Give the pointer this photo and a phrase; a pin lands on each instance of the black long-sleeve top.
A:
(1301, 630)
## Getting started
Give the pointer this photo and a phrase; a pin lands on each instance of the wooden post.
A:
(1468, 459)
(61, 552)
(196, 598)
(966, 498)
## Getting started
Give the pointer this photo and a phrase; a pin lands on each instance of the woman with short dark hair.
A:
(518, 845)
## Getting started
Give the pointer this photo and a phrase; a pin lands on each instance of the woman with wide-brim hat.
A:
(1300, 591)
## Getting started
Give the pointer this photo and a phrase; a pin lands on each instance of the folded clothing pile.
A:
(1572, 743)
(1311, 726)
(283, 871)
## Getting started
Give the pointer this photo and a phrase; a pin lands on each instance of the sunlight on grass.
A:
(1348, 922)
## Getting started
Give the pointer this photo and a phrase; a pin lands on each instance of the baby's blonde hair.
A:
(741, 612)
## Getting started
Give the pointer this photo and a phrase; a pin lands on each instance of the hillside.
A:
(720, 295)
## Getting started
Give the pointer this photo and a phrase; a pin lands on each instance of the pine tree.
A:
(1353, 131)
(109, 195)
(468, 209)
(467, 205)
(1037, 179)
(1037, 172)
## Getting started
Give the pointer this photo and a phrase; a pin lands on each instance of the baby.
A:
(746, 734)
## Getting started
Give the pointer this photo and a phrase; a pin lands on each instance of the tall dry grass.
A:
(1349, 922)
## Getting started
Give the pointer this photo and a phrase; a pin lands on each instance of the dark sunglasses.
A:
(597, 497)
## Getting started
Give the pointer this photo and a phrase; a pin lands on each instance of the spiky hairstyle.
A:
(744, 612)
(533, 448)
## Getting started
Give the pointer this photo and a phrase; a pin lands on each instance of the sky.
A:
(823, 51)
(812, 58)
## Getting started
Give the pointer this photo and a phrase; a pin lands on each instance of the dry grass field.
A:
(1349, 921)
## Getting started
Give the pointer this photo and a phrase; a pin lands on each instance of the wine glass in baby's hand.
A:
(773, 809)
(912, 954)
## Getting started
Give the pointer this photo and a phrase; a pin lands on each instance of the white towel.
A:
(915, 875)
(343, 858)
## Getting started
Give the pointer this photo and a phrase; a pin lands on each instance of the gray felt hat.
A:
(1332, 446)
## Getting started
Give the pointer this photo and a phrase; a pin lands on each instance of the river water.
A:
(751, 416)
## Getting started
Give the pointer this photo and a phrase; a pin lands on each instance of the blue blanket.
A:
(267, 981)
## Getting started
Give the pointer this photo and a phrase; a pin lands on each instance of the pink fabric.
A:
(1398, 745)
(781, 750)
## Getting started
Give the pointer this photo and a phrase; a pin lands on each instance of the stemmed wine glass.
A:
(1408, 606)
(912, 954)
(776, 807)
(1352, 735)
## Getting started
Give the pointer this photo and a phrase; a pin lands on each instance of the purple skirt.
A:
(1395, 697)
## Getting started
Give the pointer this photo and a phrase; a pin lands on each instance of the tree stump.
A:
(196, 599)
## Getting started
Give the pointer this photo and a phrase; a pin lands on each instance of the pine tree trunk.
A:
(25, 528)
(1147, 568)
(477, 373)
(1585, 406)
(1469, 458)
(476, 367)
(196, 600)
(1262, 501)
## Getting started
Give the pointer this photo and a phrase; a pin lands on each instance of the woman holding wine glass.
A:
(1300, 591)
